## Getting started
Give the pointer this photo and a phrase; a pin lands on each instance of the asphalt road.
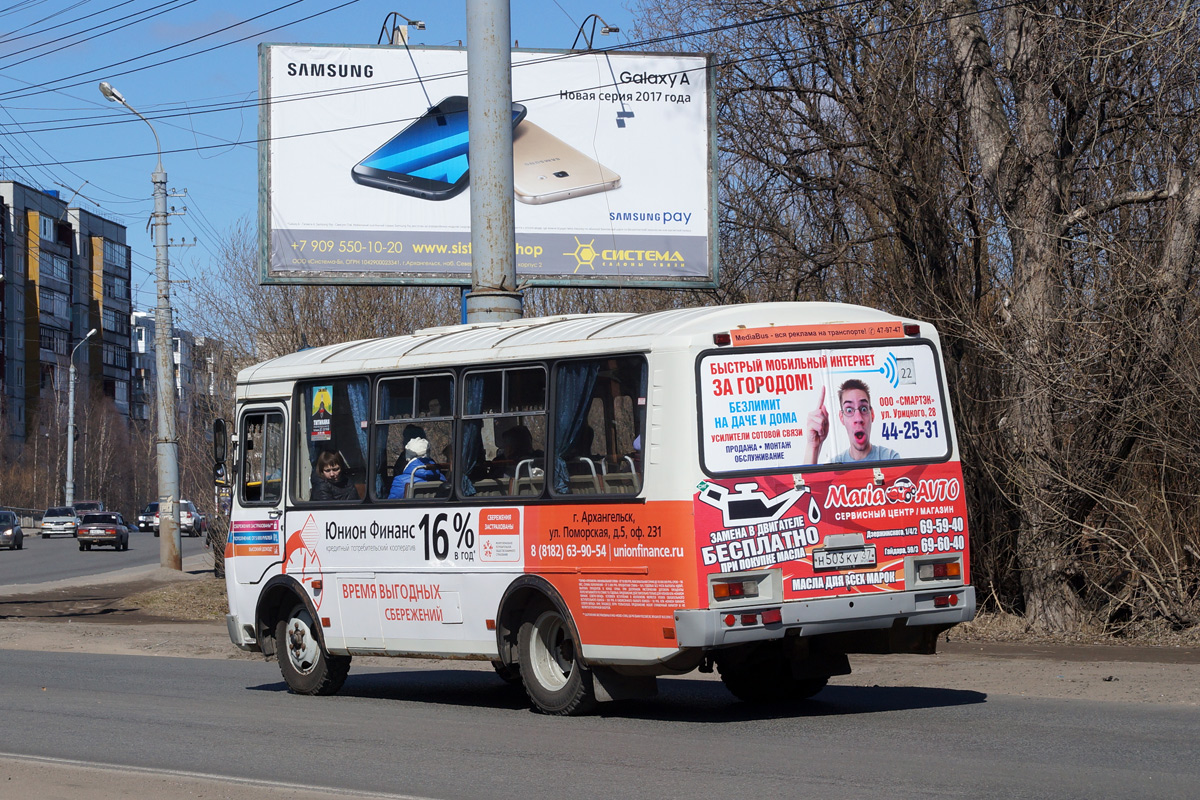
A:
(59, 558)
(453, 731)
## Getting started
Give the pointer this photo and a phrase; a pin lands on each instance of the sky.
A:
(191, 67)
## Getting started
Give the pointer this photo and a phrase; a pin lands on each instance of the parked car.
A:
(191, 521)
(148, 519)
(104, 529)
(59, 520)
(88, 506)
(11, 535)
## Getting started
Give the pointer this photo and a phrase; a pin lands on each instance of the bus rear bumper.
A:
(709, 628)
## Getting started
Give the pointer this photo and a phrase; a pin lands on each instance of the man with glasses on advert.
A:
(855, 412)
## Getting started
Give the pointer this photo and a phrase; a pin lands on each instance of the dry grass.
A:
(990, 626)
(200, 599)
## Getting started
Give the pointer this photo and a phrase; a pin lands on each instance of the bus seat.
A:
(628, 481)
(487, 486)
(527, 479)
(422, 488)
(582, 476)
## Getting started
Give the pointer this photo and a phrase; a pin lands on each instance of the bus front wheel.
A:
(555, 679)
(306, 667)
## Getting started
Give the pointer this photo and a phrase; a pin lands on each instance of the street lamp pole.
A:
(170, 545)
(69, 486)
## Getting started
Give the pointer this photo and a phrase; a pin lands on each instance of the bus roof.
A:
(531, 337)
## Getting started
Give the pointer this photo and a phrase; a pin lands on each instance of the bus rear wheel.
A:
(555, 679)
(306, 667)
(765, 675)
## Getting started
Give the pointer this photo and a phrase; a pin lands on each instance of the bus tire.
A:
(306, 667)
(555, 679)
(766, 677)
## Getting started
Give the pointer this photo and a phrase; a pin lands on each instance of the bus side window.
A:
(599, 418)
(332, 416)
(503, 449)
(414, 434)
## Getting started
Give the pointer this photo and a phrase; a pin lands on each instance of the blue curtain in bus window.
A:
(574, 391)
(356, 392)
(472, 434)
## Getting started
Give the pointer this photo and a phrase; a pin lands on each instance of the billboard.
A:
(364, 173)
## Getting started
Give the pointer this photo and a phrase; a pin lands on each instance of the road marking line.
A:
(176, 773)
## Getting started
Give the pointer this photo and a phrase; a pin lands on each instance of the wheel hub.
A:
(552, 651)
(301, 646)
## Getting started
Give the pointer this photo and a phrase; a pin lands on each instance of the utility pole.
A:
(170, 546)
(69, 486)
(493, 296)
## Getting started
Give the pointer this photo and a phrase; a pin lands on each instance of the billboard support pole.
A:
(493, 296)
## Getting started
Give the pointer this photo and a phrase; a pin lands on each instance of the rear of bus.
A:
(830, 517)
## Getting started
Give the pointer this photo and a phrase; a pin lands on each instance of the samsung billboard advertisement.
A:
(364, 167)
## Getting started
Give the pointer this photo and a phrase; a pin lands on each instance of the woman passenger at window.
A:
(331, 479)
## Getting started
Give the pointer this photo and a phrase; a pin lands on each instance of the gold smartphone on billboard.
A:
(546, 169)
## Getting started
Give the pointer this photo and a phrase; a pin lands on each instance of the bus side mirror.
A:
(220, 441)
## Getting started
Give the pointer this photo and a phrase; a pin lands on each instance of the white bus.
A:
(590, 501)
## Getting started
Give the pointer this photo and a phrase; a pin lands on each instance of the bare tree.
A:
(1027, 180)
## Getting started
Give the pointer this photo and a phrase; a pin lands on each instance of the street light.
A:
(69, 487)
(398, 34)
(170, 546)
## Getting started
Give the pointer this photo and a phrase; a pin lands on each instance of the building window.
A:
(116, 255)
(46, 227)
(115, 356)
(57, 267)
(115, 322)
(57, 304)
(54, 340)
(116, 288)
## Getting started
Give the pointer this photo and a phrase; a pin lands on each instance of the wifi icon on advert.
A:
(889, 370)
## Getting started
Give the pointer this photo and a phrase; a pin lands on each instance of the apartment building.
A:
(65, 271)
(145, 368)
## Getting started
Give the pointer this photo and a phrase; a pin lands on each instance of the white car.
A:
(59, 521)
(191, 521)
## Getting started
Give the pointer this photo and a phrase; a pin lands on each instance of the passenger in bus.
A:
(856, 414)
(420, 467)
(331, 478)
(581, 447)
(516, 445)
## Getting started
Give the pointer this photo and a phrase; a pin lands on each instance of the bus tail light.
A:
(941, 601)
(939, 571)
(722, 339)
(733, 590)
(912, 329)
(772, 616)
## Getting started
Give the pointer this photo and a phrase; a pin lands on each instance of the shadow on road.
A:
(678, 699)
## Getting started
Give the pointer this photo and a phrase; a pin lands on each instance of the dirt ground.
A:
(164, 613)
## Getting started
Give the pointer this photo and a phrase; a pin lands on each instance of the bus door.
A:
(257, 529)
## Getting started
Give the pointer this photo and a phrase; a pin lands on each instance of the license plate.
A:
(841, 559)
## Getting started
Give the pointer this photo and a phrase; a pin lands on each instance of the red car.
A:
(902, 491)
